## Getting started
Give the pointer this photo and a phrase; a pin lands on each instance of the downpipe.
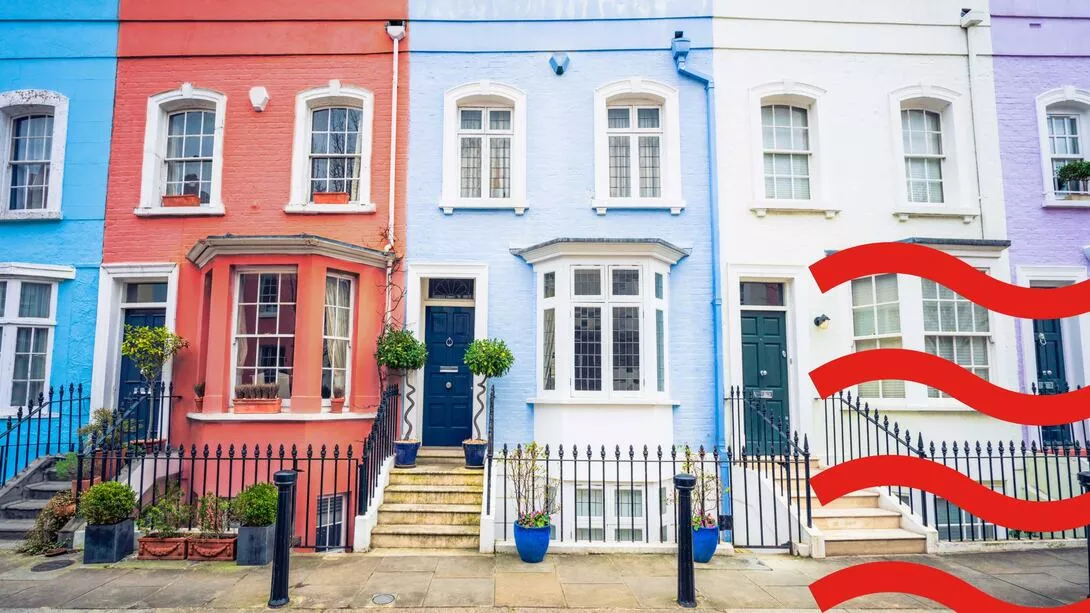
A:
(395, 29)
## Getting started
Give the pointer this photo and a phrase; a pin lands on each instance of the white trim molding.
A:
(155, 142)
(18, 103)
(487, 94)
(1077, 102)
(1076, 330)
(206, 249)
(588, 247)
(48, 272)
(308, 101)
(639, 89)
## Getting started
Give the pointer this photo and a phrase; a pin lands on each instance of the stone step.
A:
(856, 519)
(430, 514)
(439, 474)
(23, 509)
(873, 542)
(434, 494)
(15, 529)
(862, 498)
(425, 536)
(44, 490)
(440, 456)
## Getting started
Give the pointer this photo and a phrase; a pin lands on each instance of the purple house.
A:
(1042, 76)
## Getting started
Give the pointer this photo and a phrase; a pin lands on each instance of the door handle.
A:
(763, 372)
(449, 385)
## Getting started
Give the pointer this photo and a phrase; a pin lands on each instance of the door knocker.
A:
(1041, 340)
(450, 342)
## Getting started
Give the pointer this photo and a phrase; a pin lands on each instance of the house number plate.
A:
(763, 394)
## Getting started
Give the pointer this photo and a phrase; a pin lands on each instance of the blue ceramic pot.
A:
(474, 454)
(531, 543)
(405, 453)
(705, 541)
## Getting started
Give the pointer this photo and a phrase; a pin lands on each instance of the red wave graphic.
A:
(923, 474)
(918, 580)
(940, 267)
(988, 398)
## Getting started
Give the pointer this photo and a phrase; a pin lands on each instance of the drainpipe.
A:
(395, 29)
(679, 47)
(969, 20)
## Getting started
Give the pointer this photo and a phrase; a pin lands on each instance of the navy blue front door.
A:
(448, 384)
(131, 384)
(1051, 373)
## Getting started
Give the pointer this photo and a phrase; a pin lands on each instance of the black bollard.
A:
(686, 581)
(1084, 481)
(285, 482)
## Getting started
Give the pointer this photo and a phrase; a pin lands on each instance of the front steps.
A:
(25, 495)
(435, 505)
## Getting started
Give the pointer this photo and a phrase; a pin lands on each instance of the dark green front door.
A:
(1051, 375)
(764, 377)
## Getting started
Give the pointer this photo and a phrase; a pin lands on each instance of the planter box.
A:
(182, 200)
(211, 549)
(108, 544)
(330, 197)
(155, 548)
(84, 484)
(336, 405)
(255, 545)
(251, 406)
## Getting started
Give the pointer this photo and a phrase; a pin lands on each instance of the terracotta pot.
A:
(198, 404)
(251, 406)
(330, 197)
(182, 200)
(84, 484)
(156, 548)
(336, 404)
(211, 548)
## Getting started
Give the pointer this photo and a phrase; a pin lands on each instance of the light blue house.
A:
(560, 199)
(57, 69)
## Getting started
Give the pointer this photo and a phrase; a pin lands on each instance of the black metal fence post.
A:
(1084, 481)
(285, 504)
(686, 582)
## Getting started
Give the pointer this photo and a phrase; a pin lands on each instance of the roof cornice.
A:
(616, 247)
(206, 249)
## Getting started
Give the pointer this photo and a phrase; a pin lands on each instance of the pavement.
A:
(746, 581)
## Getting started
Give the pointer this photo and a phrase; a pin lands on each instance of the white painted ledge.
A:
(285, 417)
(1066, 203)
(905, 213)
(592, 402)
(448, 207)
(179, 211)
(603, 205)
(764, 208)
(359, 208)
(32, 215)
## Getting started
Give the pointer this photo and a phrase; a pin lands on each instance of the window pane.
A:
(145, 292)
(626, 282)
(28, 371)
(589, 502)
(620, 185)
(658, 285)
(618, 117)
(35, 299)
(647, 118)
(471, 119)
(471, 167)
(451, 289)
(650, 173)
(629, 503)
(549, 282)
(587, 281)
(499, 119)
(660, 349)
(548, 358)
(3, 296)
(265, 330)
(626, 349)
(588, 348)
(500, 167)
(755, 293)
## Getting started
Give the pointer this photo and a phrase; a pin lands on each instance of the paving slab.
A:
(53, 595)
(112, 596)
(510, 563)
(251, 591)
(472, 567)
(587, 569)
(146, 577)
(324, 596)
(408, 587)
(520, 589)
(599, 595)
(645, 565)
(192, 591)
(408, 563)
(460, 592)
(653, 592)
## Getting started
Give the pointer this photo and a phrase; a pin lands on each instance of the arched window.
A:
(484, 148)
(637, 151)
(331, 155)
(33, 126)
(1064, 118)
(927, 132)
(183, 153)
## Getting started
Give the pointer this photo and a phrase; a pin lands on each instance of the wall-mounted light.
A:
(259, 98)
(822, 321)
(559, 63)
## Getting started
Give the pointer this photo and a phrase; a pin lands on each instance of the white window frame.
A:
(306, 102)
(632, 134)
(237, 290)
(639, 92)
(14, 275)
(153, 170)
(808, 152)
(877, 338)
(1068, 100)
(940, 156)
(20, 103)
(483, 94)
(351, 345)
(340, 519)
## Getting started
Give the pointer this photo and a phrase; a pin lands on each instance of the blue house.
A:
(560, 199)
(57, 69)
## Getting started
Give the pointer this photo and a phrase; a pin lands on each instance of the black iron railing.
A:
(49, 426)
(142, 418)
(378, 446)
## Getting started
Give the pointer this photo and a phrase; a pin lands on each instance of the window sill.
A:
(35, 215)
(355, 208)
(602, 206)
(179, 211)
(278, 417)
(1075, 201)
(909, 211)
(449, 206)
(762, 208)
(932, 405)
(638, 402)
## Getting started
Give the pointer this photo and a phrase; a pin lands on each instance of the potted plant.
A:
(1077, 172)
(108, 508)
(255, 510)
(213, 543)
(400, 352)
(198, 396)
(705, 494)
(336, 400)
(259, 398)
(534, 502)
(486, 358)
(182, 200)
(107, 434)
(161, 524)
(330, 197)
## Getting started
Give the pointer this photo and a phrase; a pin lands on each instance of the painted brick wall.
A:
(559, 189)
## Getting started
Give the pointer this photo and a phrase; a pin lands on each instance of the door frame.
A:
(416, 300)
(798, 341)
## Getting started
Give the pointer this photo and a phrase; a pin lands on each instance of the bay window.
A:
(876, 321)
(27, 320)
(265, 329)
(336, 337)
(955, 329)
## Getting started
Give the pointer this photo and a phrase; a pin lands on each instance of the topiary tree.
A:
(399, 350)
(487, 358)
(107, 503)
(149, 347)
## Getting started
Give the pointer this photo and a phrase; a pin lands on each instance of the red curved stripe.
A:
(941, 480)
(988, 398)
(918, 580)
(940, 267)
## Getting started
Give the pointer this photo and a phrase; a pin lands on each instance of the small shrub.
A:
(165, 518)
(255, 505)
(257, 391)
(50, 521)
(198, 389)
(489, 357)
(107, 503)
(1077, 170)
(213, 515)
(400, 350)
(107, 428)
(66, 466)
